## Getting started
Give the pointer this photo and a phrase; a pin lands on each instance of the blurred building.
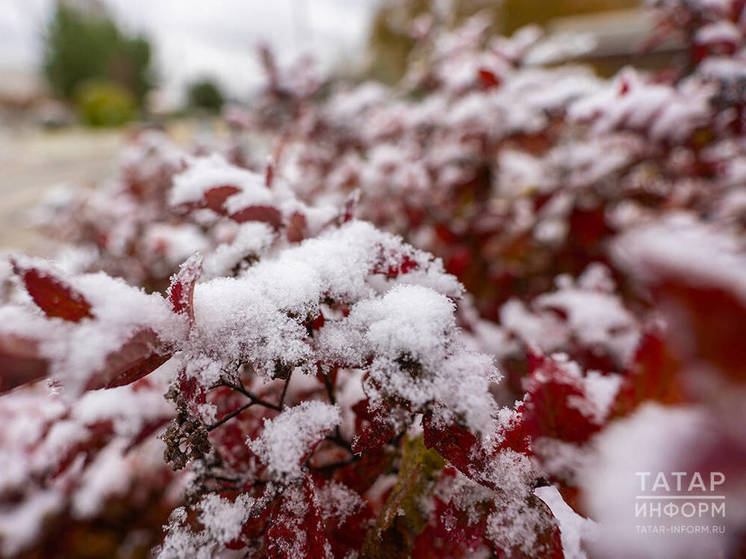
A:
(618, 38)
(617, 29)
(25, 99)
(21, 91)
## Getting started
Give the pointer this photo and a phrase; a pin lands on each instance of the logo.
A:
(680, 502)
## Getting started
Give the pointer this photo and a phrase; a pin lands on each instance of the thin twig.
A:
(230, 416)
(253, 397)
(339, 440)
(335, 465)
(329, 389)
(284, 390)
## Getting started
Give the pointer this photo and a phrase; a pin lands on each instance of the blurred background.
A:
(77, 76)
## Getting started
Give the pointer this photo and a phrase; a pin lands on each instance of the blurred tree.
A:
(83, 45)
(205, 94)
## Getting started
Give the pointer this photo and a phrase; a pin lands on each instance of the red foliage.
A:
(52, 295)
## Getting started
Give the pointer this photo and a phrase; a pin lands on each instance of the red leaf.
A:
(371, 429)
(516, 435)
(139, 356)
(214, 198)
(456, 444)
(451, 536)
(362, 474)
(52, 295)
(265, 214)
(709, 325)
(346, 533)
(401, 265)
(348, 212)
(653, 376)
(549, 406)
(97, 436)
(548, 544)
(296, 229)
(588, 228)
(464, 450)
(20, 362)
(181, 291)
(488, 78)
(296, 527)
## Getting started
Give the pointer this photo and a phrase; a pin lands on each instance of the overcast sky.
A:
(208, 37)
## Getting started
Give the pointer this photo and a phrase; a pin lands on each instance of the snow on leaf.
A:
(20, 362)
(523, 529)
(288, 439)
(181, 291)
(296, 527)
(52, 295)
(263, 214)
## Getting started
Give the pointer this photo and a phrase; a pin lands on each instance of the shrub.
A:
(104, 104)
(565, 311)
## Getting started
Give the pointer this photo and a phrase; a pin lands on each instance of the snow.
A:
(221, 520)
(20, 526)
(723, 68)
(574, 529)
(669, 113)
(595, 319)
(601, 390)
(338, 502)
(520, 173)
(681, 247)
(512, 524)
(175, 243)
(250, 241)
(560, 47)
(258, 316)
(546, 331)
(348, 105)
(720, 31)
(651, 440)
(120, 312)
(25, 323)
(204, 173)
(289, 437)
(106, 476)
(407, 320)
(584, 311)
(128, 410)
(410, 333)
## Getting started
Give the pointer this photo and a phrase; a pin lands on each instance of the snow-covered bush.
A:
(449, 320)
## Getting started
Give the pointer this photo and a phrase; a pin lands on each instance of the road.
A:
(33, 162)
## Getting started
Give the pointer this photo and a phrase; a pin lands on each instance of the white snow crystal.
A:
(289, 437)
